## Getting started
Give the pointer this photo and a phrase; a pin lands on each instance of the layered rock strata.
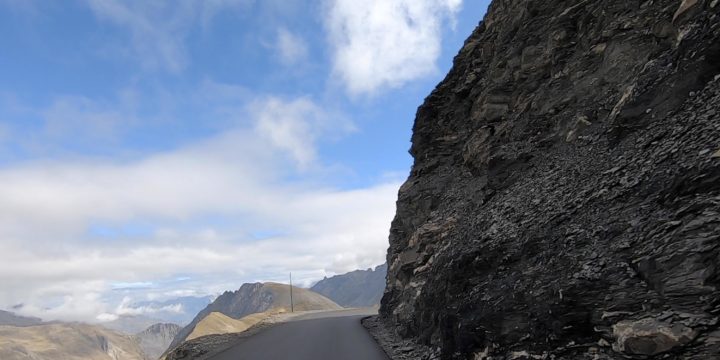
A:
(564, 201)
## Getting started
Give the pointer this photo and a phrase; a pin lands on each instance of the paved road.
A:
(340, 337)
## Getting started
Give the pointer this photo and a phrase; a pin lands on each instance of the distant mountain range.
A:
(257, 298)
(67, 341)
(140, 337)
(360, 288)
(30, 338)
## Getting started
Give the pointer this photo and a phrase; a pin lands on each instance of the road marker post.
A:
(292, 309)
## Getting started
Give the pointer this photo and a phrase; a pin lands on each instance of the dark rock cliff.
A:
(565, 197)
(357, 288)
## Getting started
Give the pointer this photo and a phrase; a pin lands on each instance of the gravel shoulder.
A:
(395, 347)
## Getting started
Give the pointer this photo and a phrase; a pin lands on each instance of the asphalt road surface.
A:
(331, 338)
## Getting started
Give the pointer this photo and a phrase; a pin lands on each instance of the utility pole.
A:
(292, 309)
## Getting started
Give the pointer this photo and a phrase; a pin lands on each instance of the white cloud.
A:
(291, 49)
(296, 126)
(51, 264)
(329, 231)
(71, 300)
(126, 307)
(218, 174)
(105, 317)
(384, 44)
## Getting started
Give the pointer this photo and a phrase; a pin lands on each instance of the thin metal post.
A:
(292, 308)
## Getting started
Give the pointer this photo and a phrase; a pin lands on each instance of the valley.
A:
(227, 318)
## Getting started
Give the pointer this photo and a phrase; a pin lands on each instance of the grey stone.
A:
(649, 336)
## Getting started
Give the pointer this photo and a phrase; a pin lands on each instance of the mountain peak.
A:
(258, 297)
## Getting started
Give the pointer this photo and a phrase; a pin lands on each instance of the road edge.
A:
(394, 346)
(206, 347)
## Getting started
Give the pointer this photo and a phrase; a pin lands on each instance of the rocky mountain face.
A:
(67, 342)
(564, 201)
(156, 338)
(360, 288)
(257, 298)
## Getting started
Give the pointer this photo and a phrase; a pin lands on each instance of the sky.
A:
(158, 149)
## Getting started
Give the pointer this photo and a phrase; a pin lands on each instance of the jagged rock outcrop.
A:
(156, 338)
(258, 298)
(564, 201)
(359, 288)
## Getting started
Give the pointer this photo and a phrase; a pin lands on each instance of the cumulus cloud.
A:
(291, 49)
(384, 44)
(127, 308)
(204, 201)
(68, 300)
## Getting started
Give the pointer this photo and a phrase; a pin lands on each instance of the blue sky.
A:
(192, 146)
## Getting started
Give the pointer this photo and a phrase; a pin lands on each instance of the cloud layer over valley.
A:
(152, 151)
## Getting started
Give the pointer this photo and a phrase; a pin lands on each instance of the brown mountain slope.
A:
(218, 323)
(66, 342)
